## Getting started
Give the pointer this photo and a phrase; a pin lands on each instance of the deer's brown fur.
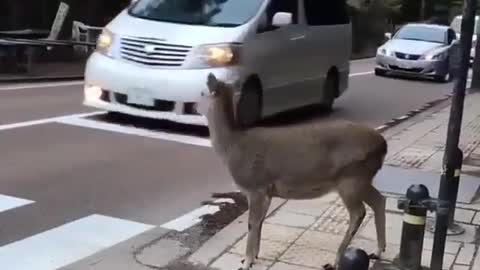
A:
(297, 162)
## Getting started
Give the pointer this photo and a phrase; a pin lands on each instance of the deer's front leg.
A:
(259, 203)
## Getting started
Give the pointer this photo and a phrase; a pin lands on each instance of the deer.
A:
(296, 162)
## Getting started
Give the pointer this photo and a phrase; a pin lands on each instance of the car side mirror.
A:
(388, 35)
(282, 19)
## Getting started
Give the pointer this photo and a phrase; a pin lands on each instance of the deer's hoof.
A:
(328, 267)
(374, 256)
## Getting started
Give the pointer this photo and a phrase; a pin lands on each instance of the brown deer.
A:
(297, 162)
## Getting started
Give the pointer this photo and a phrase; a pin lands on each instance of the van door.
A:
(272, 53)
(328, 44)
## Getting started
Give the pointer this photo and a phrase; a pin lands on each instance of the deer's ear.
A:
(212, 83)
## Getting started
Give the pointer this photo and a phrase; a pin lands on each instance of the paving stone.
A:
(393, 228)
(280, 233)
(391, 205)
(370, 246)
(476, 220)
(307, 256)
(447, 259)
(270, 250)
(284, 266)
(467, 237)
(231, 261)
(476, 263)
(291, 219)
(466, 255)
(461, 267)
(307, 207)
(450, 247)
(336, 220)
(320, 240)
(461, 215)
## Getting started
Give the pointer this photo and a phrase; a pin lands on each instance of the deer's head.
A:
(217, 97)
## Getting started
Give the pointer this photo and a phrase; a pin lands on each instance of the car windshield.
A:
(227, 13)
(422, 33)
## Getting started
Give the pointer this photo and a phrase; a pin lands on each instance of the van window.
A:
(290, 6)
(326, 12)
(225, 13)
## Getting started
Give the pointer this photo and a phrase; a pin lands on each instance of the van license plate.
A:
(139, 97)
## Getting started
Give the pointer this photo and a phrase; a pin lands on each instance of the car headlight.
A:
(436, 56)
(105, 42)
(214, 55)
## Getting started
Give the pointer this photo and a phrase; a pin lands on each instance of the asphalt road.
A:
(59, 176)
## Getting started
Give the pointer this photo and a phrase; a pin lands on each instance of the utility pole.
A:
(452, 161)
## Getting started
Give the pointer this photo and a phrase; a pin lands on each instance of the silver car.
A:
(418, 50)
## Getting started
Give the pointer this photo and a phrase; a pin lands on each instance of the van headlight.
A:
(214, 55)
(105, 42)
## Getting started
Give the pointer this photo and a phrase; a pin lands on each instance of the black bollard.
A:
(415, 208)
(354, 259)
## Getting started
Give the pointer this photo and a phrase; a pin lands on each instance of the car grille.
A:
(416, 70)
(407, 56)
(152, 52)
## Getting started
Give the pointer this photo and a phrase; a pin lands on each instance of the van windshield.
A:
(226, 13)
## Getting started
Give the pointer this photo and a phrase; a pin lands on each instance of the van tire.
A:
(249, 106)
(330, 90)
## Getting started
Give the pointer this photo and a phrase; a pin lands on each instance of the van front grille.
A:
(153, 52)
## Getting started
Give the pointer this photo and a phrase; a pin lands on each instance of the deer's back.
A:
(303, 153)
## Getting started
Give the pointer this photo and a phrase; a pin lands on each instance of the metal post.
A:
(415, 208)
(354, 259)
(452, 159)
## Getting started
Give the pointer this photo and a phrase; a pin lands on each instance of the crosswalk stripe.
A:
(188, 220)
(8, 202)
(87, 123)
(68, 243)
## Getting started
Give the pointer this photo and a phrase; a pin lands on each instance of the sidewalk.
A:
(301, 235)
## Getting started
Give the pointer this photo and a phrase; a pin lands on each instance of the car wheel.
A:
(249, 106)
(330, 90)
(444, 79)
(380, 72)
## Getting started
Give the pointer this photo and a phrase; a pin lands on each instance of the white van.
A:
(153, 59)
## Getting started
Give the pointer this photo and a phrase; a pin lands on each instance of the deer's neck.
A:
(223, 133)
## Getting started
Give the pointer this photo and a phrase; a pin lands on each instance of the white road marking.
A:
(188, 220)
(192, 140)
(362, 60)
(361, 73)
(10, 87)
(8, 202)
(46, 120)
(68, 243)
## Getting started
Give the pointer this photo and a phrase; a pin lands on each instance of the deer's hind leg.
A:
(356, 209)
(259, 203)
(376, 201)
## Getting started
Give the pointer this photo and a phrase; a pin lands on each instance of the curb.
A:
(42, 79)
(398, 120)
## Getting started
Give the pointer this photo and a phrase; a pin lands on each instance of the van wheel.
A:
(330, 90)
(249, 107)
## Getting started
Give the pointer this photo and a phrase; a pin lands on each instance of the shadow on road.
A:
(298, 116)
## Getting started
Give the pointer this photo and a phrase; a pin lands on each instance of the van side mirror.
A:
(282, 19)
(388, 35)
